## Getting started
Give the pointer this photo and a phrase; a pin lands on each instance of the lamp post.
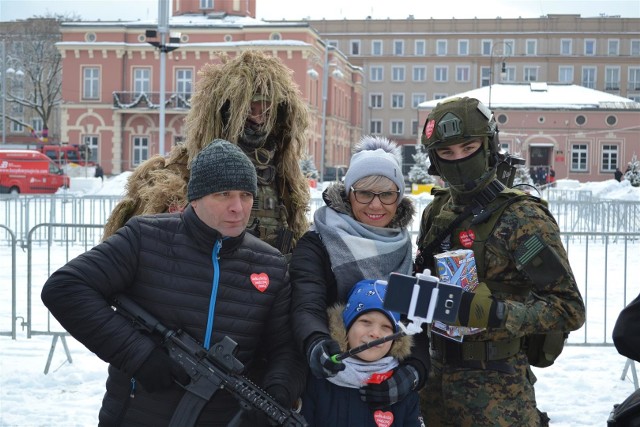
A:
(325, 90)
(503, 69)
(4, 91)
(162, 32)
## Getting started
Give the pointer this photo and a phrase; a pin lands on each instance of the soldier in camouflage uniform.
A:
(250, 100)
(526, 284)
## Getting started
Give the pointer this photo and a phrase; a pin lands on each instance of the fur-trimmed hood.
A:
(400, 349)
(336, 198)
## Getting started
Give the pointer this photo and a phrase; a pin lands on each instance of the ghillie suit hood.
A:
(400, 349)
(219, 108)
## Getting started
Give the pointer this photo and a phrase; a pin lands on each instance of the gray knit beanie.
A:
(221, 166)
(375, 156)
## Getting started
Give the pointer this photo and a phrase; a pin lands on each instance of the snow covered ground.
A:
(578, 390)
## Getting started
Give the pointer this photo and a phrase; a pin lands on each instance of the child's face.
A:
(366, 328)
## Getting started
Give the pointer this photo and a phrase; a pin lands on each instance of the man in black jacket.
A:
(196, 271)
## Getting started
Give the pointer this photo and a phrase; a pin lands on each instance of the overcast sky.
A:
(332, 9)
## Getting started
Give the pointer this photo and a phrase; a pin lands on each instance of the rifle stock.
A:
(210, 370)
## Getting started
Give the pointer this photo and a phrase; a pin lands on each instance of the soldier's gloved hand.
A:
(320, 358)
(403, 381)
(479, 309)
(159, 371)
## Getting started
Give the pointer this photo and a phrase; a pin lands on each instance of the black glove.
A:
(404, 380)
(479, 309)
(159, 371)
(281, 395)
(320, 358)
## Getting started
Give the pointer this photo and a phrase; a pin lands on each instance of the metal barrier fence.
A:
(601, 261)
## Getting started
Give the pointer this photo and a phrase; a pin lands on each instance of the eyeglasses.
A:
(365, 196)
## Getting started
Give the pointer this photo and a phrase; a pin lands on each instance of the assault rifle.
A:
(209, 370)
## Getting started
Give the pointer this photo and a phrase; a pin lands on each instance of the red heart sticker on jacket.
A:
(260, 281)
(383, 419)
(467, 237)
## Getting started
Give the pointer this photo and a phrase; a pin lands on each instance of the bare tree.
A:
(34, 83)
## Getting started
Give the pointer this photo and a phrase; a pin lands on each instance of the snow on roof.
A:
(543, 96)
(195, 20)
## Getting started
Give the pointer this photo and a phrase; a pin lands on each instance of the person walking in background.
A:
(526, 283)
(335, 401)
(551, 177)
(99, 172)
(618, 175)
(359, 234)
(197, 271)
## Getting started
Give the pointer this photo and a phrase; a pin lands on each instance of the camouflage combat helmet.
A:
(455, 121)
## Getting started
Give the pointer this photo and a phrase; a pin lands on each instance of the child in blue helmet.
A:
(335, 401)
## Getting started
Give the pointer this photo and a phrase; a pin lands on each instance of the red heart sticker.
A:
(431, 124)
(467, 237)
(378, 377)
(260, 281)
(383, 419)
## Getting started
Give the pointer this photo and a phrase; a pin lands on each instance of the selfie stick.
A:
(415, 322)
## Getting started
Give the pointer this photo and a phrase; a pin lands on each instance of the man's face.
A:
(366, 328)
(459, 151)
(259, 112)
(226, 211)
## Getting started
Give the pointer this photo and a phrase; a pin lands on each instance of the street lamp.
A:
(503, 68)
(163, 47)
(337, 74)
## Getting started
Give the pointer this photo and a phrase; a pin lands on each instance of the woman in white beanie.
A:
(361, 233)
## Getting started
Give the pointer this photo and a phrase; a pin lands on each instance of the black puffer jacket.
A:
(315, 288)
(164, 262)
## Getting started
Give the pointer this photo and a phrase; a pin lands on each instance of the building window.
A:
(441, 74)
(635, 48)
(565, 74)
(397, 100)
(184, 84)
(375, 127)
(90, 83)
(398, 47)
(579, 157)
(375, 100)
(485, 76)
(609, 158)
(90, 37)
(141, 80)
(91, 141)
(17, 127)
(612, 78)
(612, 120)
(140, 150)
(355, 47)
(580, 120)
(634, 78)
(415, 127)
(333, 43)
(420, 48)
(566, 47)
(441, 47)
(462, 73)
(376, 74)
(275, 36)
(419, 73)
(486, 47)
(589, 77)
(532, 47)
(397, 127)
(417, 99)
(397, 73)
(530, 74)
(510, 75)
(590, 47)
(463, 47)
(440, 95)
(376, 47)
(37, 124)
(613, 47)
(206, 4)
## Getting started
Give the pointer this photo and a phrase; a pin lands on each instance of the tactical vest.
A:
(541, 349)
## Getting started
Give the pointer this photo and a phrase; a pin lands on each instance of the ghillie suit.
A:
(219, 109)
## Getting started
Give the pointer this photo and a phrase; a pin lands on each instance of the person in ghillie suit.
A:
(250, 100)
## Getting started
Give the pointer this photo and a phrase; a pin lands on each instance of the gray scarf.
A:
(357, 372)
(358, 251)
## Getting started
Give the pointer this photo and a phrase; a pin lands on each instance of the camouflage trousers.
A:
(496, 393)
